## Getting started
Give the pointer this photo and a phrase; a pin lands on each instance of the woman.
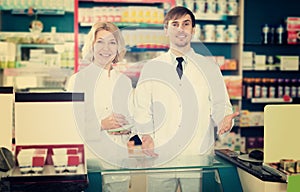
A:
(107, 97)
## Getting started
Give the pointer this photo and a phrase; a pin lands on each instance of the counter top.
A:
(149, 164)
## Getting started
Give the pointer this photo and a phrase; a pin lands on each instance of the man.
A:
(180, 99)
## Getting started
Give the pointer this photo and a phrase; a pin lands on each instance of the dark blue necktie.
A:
(179, 66)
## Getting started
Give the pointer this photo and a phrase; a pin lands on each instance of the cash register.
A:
(281, 132)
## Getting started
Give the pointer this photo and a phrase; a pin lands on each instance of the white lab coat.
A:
(103, 95)
(159, 83)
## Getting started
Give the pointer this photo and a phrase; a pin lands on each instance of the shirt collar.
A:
(174, 61)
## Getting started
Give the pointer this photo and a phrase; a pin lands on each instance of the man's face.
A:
(180, 31)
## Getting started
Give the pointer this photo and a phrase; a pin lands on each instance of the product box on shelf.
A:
(49, 151)
(229, 64)
(248, 60)
(251, 118)
(234, 86)
(289, 63)
(293, 30)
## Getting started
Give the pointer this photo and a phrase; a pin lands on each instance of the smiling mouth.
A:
(105, 54)
(181, 36)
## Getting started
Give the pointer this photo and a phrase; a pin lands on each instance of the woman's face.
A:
(105, 48)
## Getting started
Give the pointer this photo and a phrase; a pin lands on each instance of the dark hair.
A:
(178, 12)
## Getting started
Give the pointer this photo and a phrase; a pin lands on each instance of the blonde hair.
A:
(87, 49)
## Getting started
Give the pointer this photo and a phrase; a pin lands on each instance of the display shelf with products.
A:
(119, 14)
(36, 78)
(40, 7)
(41, 25)
(226, 48)
(36, 65)
(46, 55)
(270, 66)
(219, 32)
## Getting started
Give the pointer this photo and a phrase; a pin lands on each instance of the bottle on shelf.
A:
(264, 87)
(287, 87)
(249, 90)
(294, 83)
(221, 7)
(298, 88)
(279, 36)
(280, 87)
(257, 88)
(267, 32)
(232, 7)
(272, 35)
(210, 7)
(272, 88)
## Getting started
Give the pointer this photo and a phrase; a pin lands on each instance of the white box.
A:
(247, 59)
(289, 63)
(260, 59)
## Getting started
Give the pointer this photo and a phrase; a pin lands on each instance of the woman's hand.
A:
(114, 121)
(226, 123)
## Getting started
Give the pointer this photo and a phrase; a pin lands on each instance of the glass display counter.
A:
(216, 174)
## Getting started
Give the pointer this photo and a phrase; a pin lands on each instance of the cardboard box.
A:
(231, 64)
(293, 30)
(248, 58)
(289, 63)
(251, 118)
(234, 86)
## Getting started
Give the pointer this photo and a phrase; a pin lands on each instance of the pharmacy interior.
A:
(255, 43)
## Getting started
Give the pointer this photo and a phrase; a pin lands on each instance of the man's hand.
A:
(130, 147)
(226, 123)
(148, 146)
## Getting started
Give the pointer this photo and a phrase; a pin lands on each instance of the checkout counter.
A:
(45, 123)
(46, 120)
(281, 136)
(49, 153)
(217, 174)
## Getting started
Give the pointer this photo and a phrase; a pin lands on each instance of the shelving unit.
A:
(266, 12)
(45, 72)
(228, 50)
